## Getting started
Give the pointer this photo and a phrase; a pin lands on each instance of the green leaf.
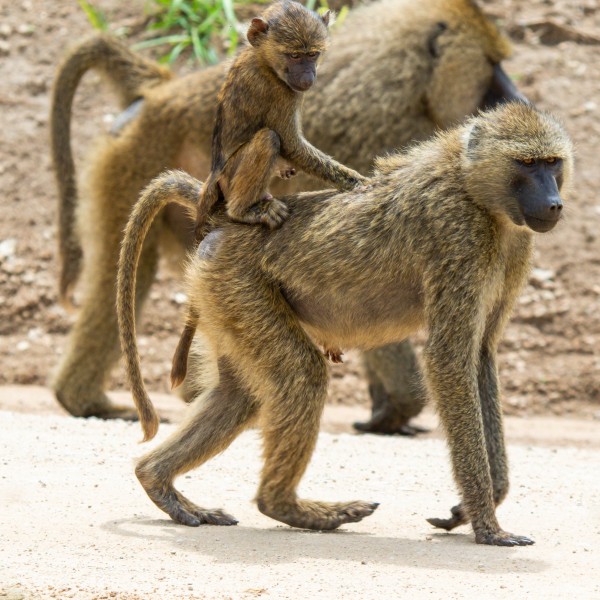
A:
(94, 15)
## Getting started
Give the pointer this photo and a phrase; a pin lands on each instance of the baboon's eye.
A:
(528, 161)
(294, 55)
(313, 54)
(551, 160)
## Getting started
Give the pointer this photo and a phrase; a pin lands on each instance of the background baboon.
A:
(396, 71)
(441, 238)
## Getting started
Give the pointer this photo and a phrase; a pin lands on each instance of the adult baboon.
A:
(441, 238)
(397, 71)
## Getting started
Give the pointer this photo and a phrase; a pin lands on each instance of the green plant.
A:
(95, 16)
(196, 24)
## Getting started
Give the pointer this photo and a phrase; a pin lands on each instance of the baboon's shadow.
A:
(282, 545)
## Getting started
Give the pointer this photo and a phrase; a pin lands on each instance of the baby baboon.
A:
(258, 123)
(258, 117)
(441, 238)
(396, 71)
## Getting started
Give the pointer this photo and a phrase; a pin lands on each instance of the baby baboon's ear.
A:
(257, 31)
(328, 18)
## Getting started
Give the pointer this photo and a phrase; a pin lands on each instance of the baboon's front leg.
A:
(494, 439)
(453, 376)
(214, 422)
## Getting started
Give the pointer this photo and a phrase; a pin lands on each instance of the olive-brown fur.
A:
(434, 241)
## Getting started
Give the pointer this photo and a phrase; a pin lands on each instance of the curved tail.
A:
(171, 186)
(131, 75)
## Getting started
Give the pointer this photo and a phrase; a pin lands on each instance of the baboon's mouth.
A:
(540, 225)
(299, 89)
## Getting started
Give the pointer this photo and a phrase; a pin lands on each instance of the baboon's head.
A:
(466, 51)
(290, 39)
(518, 162)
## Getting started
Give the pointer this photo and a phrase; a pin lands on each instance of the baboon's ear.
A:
(257, 30)
(328, 18)
(432, 42)
(472, 139)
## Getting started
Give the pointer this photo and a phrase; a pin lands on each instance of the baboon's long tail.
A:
(131, 75)
(171, 186)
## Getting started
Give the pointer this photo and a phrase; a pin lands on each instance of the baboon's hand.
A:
(334, 355)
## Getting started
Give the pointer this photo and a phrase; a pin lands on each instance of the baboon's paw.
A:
(185, 512)
(216, 516)
(287, 173)
(389, 425)
(116, 411)
(353, 512)
(458, 518)
(273, 213)
(322, 516)
(333, 355)
(502, 538)
(93, 404)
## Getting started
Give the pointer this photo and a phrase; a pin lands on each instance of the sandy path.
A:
(75, 523)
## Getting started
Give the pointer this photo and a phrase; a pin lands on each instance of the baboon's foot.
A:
(287, 173)
(334, 355)
(501, 538)
(97, 406)
(273, 212)
(268, 211)
(307, 514)
(458, 517)
(182, 510)
(386, 422)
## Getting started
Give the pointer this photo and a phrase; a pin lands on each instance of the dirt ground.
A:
(75, 524)
(550, 357)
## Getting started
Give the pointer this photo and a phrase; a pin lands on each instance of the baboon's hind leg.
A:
(292, 395)
(214, 423)
(93, 346)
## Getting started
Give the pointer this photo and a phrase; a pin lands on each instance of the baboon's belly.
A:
(358, 321)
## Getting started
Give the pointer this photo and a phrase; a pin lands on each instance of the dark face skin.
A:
(301, 70)
(536, 187)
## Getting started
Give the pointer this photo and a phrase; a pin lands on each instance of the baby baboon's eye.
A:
(529, 162)
(551, 160)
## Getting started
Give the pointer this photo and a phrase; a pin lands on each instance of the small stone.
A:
(179, 298)
(4, 48)
(25, 29)
(540, 276)
(8, 248)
